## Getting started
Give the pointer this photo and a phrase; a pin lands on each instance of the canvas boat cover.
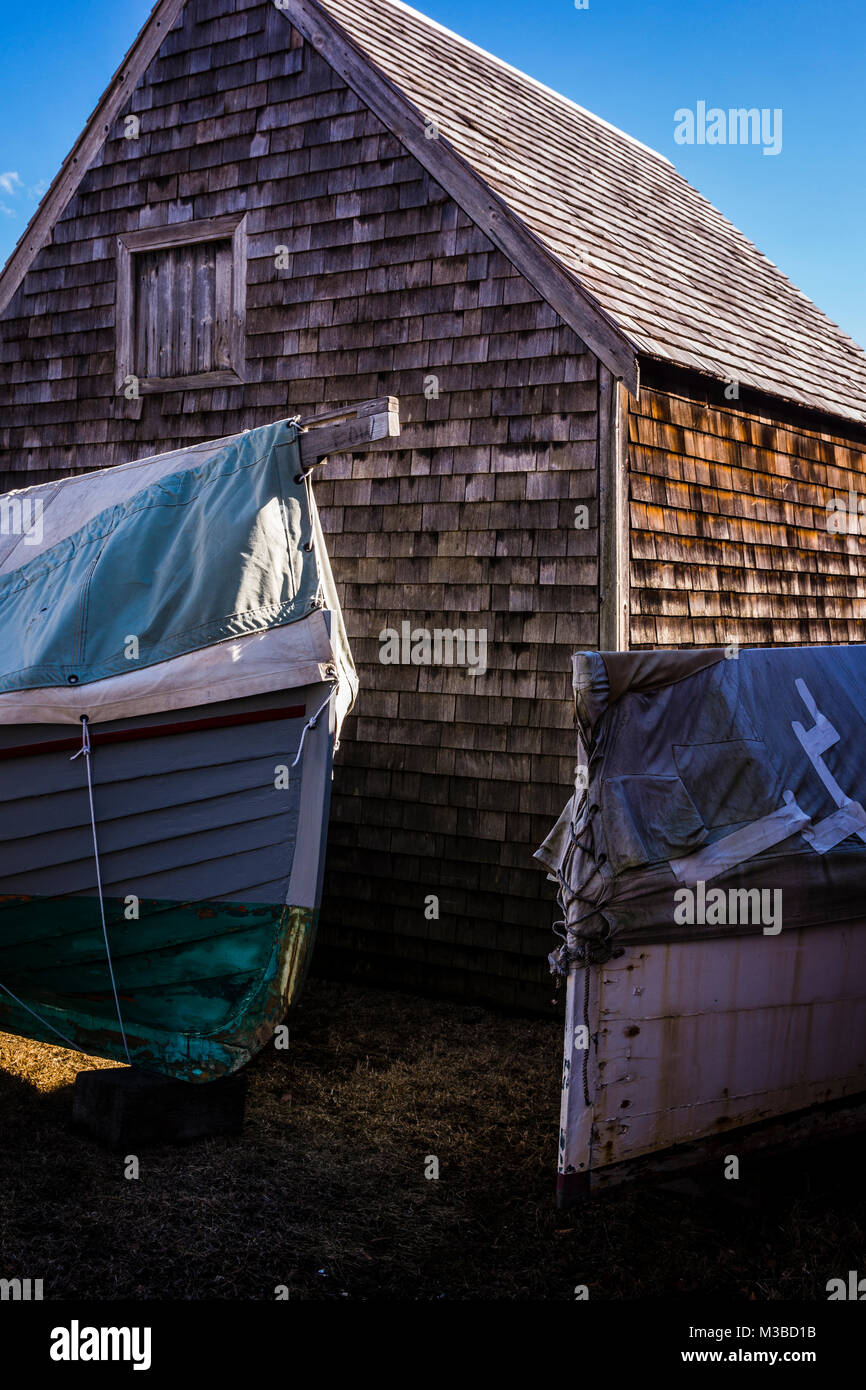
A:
(703, 776)
(178, 580)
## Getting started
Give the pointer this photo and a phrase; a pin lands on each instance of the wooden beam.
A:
(575, 305)
(183, 233)
(614, 532)
(348, 430)
(351, 412)
(38, 231)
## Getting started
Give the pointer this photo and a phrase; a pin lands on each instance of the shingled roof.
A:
(604, 227)
(677, 278)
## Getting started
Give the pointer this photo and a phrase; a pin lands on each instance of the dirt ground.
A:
(325, 1191)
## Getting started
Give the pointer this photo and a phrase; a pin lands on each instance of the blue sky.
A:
(635, 62)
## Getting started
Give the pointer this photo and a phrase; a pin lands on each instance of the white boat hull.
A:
(694, 1040)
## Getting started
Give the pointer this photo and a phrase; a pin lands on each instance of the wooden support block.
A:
(347, 429)
(125, 1108)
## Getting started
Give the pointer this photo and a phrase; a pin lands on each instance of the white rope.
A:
(310, 545)
(85, 749)
(40, 1019)
(311, 724)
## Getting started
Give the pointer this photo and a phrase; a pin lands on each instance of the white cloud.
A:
(10, 212)
(11, 182)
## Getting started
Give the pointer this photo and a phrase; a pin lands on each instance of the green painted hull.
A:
(201, 986)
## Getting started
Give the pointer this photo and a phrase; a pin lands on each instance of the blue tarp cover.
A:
(212, 551)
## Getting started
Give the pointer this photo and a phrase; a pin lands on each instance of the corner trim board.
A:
(614, 530)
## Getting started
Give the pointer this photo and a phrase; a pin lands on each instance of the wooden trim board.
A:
(613, 518)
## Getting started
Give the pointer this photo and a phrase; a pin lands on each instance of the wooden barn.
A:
(622, 426)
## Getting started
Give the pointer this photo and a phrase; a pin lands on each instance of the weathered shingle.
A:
(682, 283)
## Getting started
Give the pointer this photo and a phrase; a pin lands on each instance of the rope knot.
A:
(85, 740)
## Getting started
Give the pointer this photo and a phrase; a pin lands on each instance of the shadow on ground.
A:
(325, 1191)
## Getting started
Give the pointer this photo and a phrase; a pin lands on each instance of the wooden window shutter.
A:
(181, 300)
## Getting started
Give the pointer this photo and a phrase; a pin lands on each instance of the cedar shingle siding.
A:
(446, 782)
(729, 537)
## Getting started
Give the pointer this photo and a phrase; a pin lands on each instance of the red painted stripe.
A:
(220, 721)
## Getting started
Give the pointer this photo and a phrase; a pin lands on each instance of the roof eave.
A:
(651, 363)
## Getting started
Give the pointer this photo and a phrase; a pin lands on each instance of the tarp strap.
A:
(85, 750)
(305, 479)
(561, 959)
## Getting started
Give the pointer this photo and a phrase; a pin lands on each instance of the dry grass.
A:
(325, 1190)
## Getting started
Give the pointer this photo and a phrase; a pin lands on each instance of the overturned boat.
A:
(174, 672)
(710, 869)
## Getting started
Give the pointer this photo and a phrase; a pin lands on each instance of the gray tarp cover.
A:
(709, 771)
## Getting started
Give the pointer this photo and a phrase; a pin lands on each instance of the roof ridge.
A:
(527, 77)
(577, 305)
(628, 252)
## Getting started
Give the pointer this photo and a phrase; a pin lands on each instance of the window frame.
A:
(129, 244)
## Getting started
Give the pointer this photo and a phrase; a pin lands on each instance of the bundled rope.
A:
(582, 952)
(578, 951)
